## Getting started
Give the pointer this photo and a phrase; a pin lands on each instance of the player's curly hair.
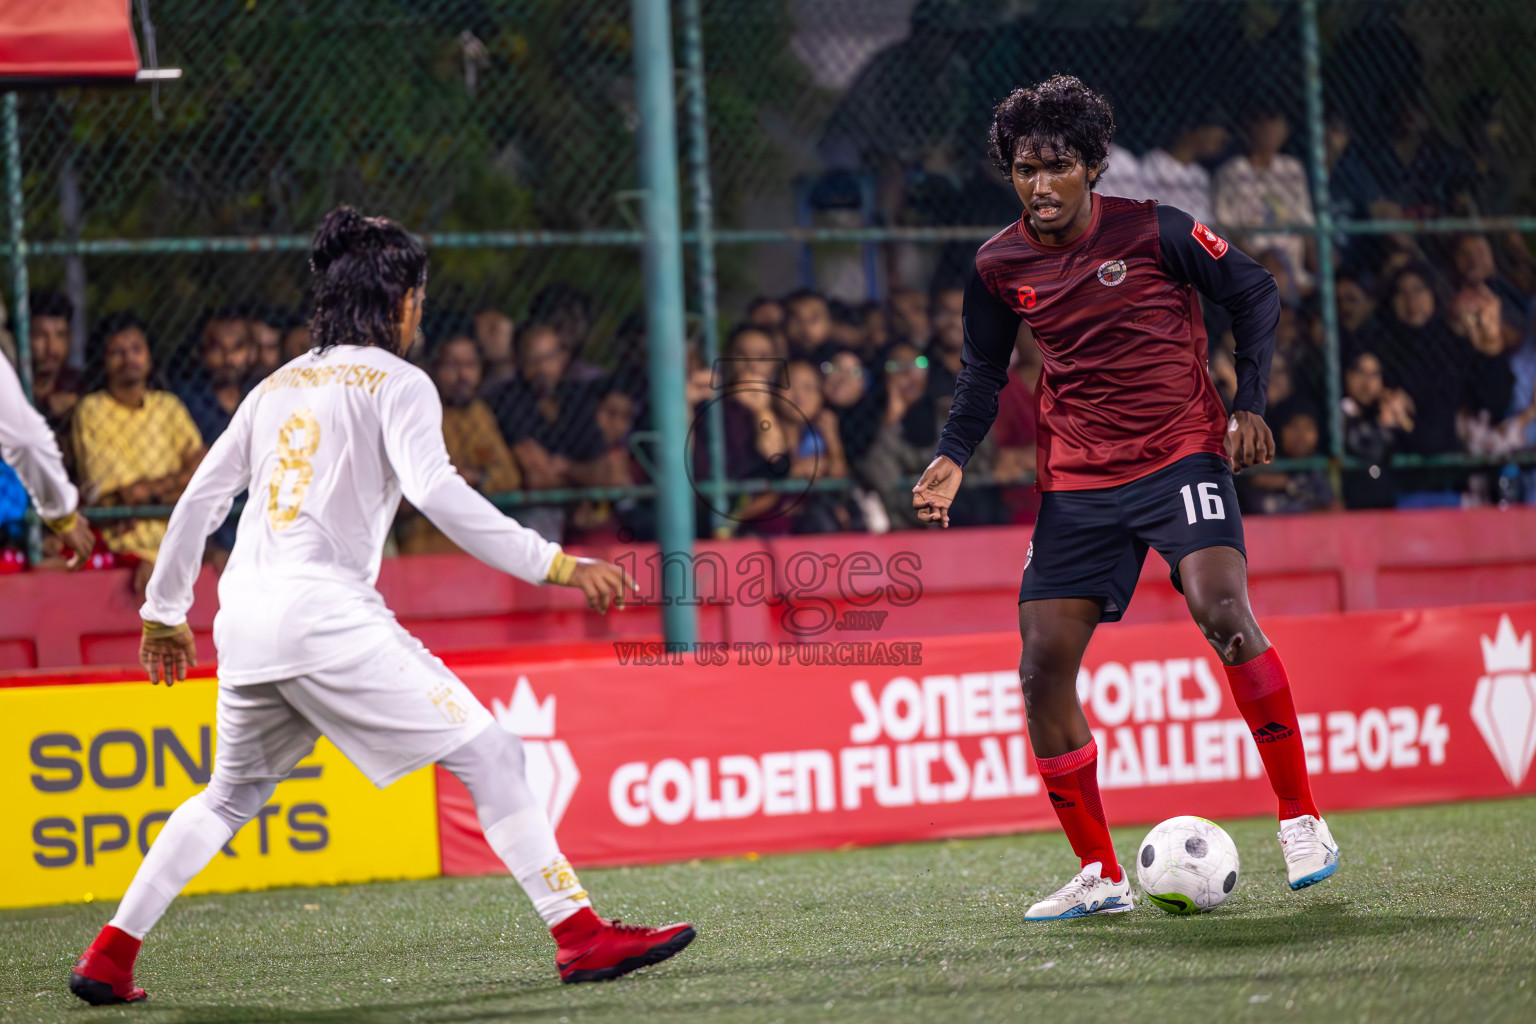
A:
(1060, 111)
(364, 267)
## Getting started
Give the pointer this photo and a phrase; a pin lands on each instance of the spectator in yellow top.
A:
(134, 443)
(474, 442)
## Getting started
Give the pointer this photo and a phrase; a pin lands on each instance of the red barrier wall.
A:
(969, 581)
(640, 755)
(640, 763)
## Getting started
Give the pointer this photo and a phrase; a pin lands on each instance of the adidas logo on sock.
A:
(1060, 801)
(1272, 732)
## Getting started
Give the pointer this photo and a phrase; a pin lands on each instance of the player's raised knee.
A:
(1037, 660)
(1226, 622)
(1031, 672)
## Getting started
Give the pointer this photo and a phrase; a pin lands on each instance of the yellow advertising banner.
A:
(89, 773)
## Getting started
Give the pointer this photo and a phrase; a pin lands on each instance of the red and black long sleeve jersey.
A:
(1125, 390)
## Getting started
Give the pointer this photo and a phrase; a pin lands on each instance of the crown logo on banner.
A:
(552, 772)
(526, 716)
(1506, 652)
(1504, 704)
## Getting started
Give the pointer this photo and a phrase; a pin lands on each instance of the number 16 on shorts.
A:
(1211, 505)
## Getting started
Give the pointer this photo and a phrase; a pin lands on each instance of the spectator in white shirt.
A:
(1174, 174)
(1265, 187)
(1122, 175)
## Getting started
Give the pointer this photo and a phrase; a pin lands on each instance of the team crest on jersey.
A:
(1111, 273)
(1210, 241)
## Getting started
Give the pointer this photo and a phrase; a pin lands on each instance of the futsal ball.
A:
(1187, 865)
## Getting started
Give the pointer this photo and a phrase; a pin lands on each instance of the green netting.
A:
(843, 145)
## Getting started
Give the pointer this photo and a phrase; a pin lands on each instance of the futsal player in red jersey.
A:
(1135, 451)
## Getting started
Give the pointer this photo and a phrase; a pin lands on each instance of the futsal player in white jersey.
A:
(325, 447)
(28, 446)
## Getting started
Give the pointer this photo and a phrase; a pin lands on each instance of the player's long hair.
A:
(364, 268)
(1060, 111)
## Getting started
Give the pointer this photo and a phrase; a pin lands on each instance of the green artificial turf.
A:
(1429, 918)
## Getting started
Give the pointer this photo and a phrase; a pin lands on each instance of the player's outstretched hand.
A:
(935, 491)
(1249, 441)
(602, 582)
(166, 652)
(80, 541)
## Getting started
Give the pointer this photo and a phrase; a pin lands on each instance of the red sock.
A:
(109, 961)
(1263, 695)
(119, 947)
(578, 928)
(1072, 780)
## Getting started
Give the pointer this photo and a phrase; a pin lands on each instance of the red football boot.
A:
(104, 973)
(595, 949)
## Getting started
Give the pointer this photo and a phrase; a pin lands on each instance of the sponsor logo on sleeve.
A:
(1210, 241)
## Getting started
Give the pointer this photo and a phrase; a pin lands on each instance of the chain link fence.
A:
(1378, 157)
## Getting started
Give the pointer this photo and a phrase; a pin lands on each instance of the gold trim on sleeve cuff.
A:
(561, 569)
(159, 631)
(64, 523)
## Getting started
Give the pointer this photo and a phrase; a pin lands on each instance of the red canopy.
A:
(58, 41)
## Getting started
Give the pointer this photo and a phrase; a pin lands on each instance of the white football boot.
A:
(1087, 893)
(1311, 855)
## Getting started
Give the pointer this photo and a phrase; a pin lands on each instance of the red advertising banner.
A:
(649, 756)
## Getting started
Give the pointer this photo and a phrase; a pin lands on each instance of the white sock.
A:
(188, 841)
(526, 845)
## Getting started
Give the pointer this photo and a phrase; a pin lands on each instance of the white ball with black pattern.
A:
(1187, 865)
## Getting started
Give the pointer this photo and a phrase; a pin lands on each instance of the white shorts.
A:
(394, 709)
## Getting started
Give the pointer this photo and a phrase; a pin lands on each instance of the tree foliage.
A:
(448, 115)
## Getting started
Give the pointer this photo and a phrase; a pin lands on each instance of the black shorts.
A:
(1091, 543)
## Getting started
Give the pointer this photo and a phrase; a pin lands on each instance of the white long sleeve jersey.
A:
(325, 447)
(29, 447)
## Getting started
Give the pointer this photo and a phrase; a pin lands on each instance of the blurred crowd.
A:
(1436, 346)
(1438, 357)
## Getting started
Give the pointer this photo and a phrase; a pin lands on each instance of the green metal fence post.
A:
(21, 315)
(663, 273)
(1312, 59)
(704, 232)
(21, 321)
